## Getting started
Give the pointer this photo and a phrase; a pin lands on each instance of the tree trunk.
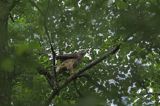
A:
(5, 88)
(5, 77)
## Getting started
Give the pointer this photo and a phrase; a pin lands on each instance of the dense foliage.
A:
(129, 77)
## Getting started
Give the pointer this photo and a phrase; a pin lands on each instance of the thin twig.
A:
(90, 79)
(76, 88)
(11, 17)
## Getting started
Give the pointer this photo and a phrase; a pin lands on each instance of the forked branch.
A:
(111, 51)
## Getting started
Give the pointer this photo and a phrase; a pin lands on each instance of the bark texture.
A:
(5, 79)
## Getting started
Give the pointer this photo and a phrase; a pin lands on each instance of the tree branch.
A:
(13, 4)
(53, 74)
(47, 75)
(66, 56)
(54, 78)
(11, 17)
(36, 6)
(111, 51)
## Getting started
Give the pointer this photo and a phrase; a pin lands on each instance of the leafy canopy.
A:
(129, 77)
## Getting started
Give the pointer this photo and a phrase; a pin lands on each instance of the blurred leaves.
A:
(7, 64)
